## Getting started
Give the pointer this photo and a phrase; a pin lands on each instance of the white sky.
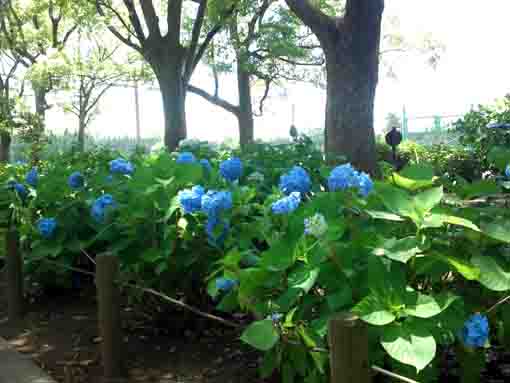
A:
(474, 69)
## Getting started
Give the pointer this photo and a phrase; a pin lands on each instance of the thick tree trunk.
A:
(173, 91)
(351, 45)
(352, 63)
(245, 116)
(5, 146)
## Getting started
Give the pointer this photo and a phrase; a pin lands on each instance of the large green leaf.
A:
(279, 257)
(479, 189)
(384, 215)
(499, 230)
(374, 311)
(426, 306)
(414, 177)
(492, 274)
(427, 200)
(401, 250)
(397, 201)
(410, 344)
(261, 335)
(466, 269)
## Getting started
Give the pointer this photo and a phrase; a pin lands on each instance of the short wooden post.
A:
(109, 313)
(348, 342)
(14, 263)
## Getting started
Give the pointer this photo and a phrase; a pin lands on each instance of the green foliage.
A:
(407, 259)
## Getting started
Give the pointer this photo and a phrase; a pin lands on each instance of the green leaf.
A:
(401, 250)
(480, 188)
(340, 299)
(499, 230)
(397, 201)
(410, 344)
(279, 257)
(414, 177)
(384, 215)
(373, 311)
(492, 274)
(458, 221)
(466, 269)
(426, 306)
(261, 335)
(427, 200)
(303, 278)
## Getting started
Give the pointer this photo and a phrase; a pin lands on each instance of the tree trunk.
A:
(173, 91)
(81, 133)
(351, 46)
(40, 103)
(352, 64)
(245, 116)
(5, 146)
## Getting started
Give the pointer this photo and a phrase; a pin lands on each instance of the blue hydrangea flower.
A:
(231, 169)
(225, 284)
(296, 180)
(475, 332)
(32, 177)
(215, 201)
(186, 158)
(46, 227)
(100, 207)
(121, 166)
(206, 165)
(365, 184)
(276, 317)
(342, 177)
(76, 180)
(21, 190)
(507, 171)
(345, 176)
(316, 225)
(287, 204)
(191, 199)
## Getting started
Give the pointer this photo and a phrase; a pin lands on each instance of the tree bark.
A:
(173, 91)
(5, 146)
(245, 115)
(82, 124)
(40, 103)
(351, 46)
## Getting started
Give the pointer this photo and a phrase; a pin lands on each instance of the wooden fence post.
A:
(109, 313)
(348, 342)
(14, 263)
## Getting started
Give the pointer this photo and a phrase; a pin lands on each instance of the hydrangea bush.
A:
(292, 244)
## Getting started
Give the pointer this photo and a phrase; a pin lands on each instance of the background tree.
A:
(8, 69)
(264, 43)
(351, 46)
(36, 30)
(392, 120)
(172, 53)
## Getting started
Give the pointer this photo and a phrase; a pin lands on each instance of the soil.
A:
(60, 333)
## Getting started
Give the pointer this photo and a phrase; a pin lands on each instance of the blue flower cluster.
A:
(46, 227)
(121, 166)
(507, 171)
(213, 204)
(19, 188)
(100, 207)
(186, 158)
(276, 317)
(76, 180)
(191, 199)
(345, 176)
(287, 204)
(475, 332)
(231, 169)
(32, 177)
(225, 285)
(296, 180)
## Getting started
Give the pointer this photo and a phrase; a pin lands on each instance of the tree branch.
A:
(174, 13)
(151, 19)
(195, 35)
(135, 20)
(214, 99)
(315, 19)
